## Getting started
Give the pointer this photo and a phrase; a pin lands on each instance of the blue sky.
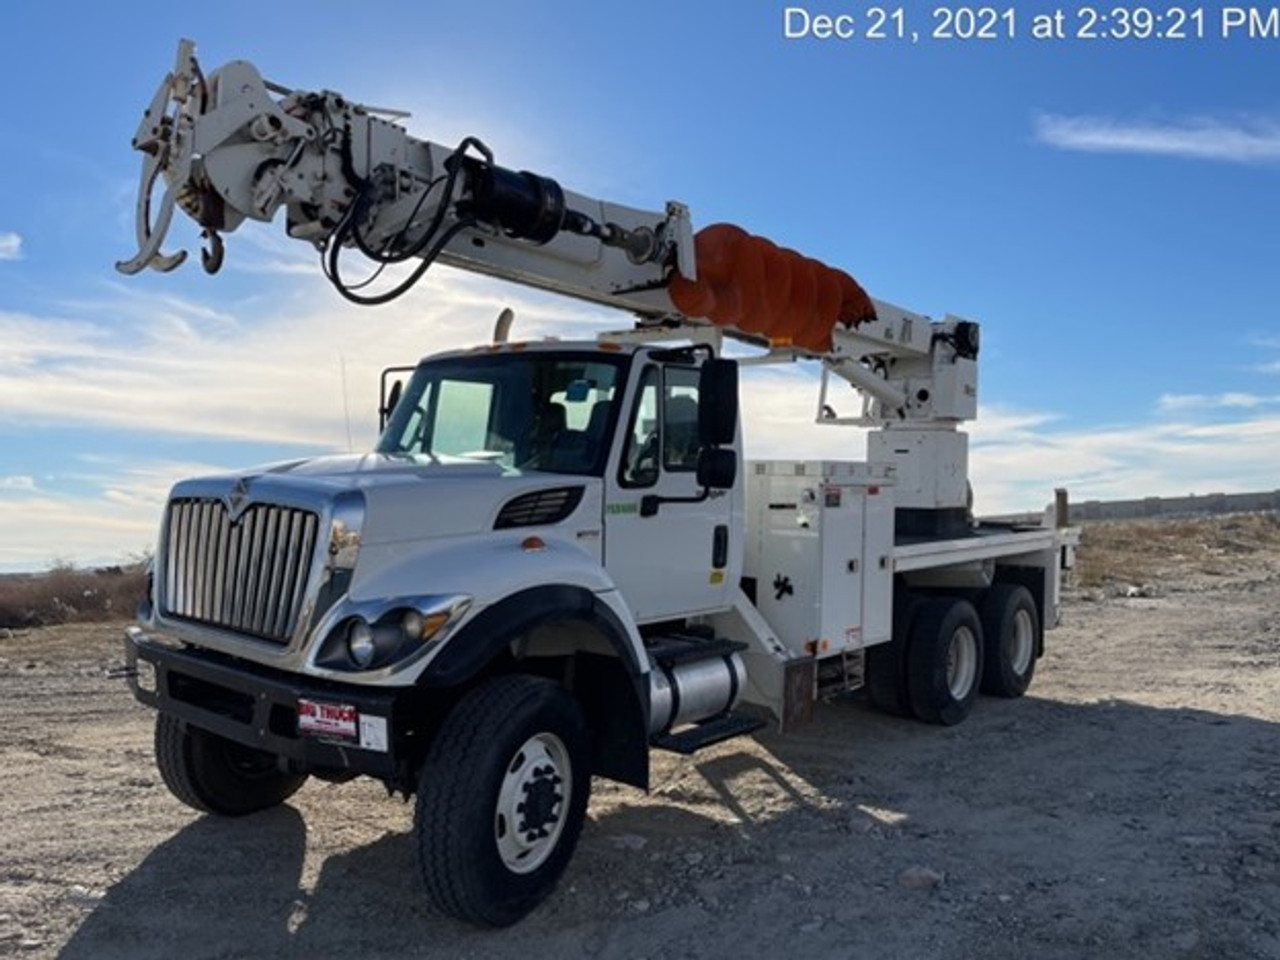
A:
(1106, 209)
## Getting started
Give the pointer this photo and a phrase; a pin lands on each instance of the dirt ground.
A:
(1128, 806)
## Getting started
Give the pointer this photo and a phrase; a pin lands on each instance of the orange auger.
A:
(753, 285)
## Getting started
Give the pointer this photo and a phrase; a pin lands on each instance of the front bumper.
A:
(257, 707)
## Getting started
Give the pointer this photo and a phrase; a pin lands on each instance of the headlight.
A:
(360, 645)
(413, 624)
(374, 636)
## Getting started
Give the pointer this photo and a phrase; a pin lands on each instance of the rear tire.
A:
(1011, 625)
(212, 774)
(887, 664)
(944, 660)
(501, 800)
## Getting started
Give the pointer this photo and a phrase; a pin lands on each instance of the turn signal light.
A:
(751, 284)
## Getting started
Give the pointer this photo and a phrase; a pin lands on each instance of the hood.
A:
(367, 468)
(405, 498)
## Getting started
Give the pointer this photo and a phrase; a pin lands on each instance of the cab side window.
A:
(680, 419)
(640, 456)
(663, 429)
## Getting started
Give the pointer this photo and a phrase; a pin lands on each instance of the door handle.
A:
(720, 547)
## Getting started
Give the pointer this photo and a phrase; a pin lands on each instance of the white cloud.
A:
(1015, 464)
(999, 424)
(1018, 457)
(253, 371)
(41, 530)
(268, 370)
(10, 246)
(1127, 461)
(117, 517)
(270, 252)
(1199, 138)
(165, 367)
(1175, 402)
(1268, 344)
(779, 406)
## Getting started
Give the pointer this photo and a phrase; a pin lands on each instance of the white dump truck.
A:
(556, 560)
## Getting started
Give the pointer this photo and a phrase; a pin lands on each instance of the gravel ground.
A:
(1128, 805)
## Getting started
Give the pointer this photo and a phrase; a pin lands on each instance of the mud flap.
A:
(799, 684)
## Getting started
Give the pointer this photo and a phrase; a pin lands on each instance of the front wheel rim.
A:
(962, 662)
(533, 803)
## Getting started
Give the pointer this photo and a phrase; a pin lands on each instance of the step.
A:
(669, 651)
(726, 726)
(840, 674)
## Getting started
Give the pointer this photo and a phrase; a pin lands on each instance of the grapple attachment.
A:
(215, 144)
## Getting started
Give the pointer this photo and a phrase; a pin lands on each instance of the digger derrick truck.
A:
(556, 559)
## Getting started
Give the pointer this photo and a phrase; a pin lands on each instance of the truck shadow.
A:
(1030, 800)
(177, 897)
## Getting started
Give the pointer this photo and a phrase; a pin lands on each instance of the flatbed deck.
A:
(984, 542)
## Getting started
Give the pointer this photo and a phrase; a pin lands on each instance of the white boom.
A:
(231, 146)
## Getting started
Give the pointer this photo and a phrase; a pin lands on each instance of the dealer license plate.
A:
(343, 723)
(328, 721)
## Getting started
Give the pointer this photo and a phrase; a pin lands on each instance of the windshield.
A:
(529, 411)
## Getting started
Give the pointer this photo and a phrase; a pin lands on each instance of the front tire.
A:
(212, 774)
(501, 800)
(944, 660)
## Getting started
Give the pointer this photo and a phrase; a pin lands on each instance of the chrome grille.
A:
(249, 576)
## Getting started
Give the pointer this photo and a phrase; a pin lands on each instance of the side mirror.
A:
(387, 399)
(717, 403)
(717, 468)
(389, 405)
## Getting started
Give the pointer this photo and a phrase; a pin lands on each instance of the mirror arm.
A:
(650, 502)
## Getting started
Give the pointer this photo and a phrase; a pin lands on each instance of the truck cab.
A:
(619, 430)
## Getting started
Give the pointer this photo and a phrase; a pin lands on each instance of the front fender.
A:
(612, 690)
(490, 571)
(521, 592)
(485, 635)
(479, 572)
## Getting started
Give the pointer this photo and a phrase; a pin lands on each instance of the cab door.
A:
(670, 559)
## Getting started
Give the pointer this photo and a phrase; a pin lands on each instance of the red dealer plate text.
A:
(333, 721)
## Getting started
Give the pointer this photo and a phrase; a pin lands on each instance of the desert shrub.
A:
(66, 594)
(1140, 551)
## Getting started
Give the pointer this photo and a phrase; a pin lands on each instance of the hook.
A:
(211, 256)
